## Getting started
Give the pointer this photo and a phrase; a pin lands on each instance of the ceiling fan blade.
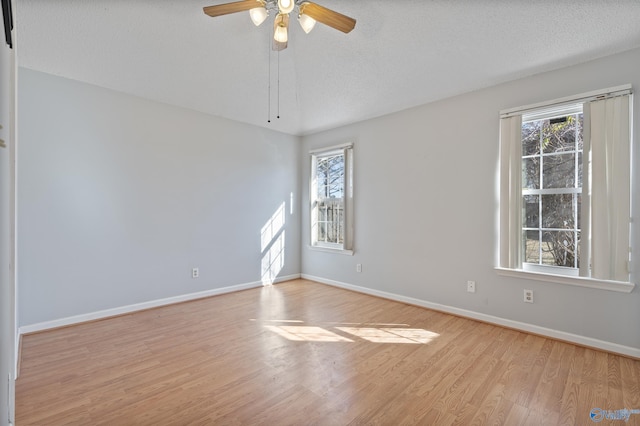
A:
(328, 17)
(227, 8)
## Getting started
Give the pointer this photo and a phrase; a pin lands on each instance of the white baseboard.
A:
(530, 328)
(92, 316)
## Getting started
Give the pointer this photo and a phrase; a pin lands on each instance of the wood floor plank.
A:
(517, 415)
(491, 404)
(305, 353)
(548, 393)
(500, 413)
(630, 381)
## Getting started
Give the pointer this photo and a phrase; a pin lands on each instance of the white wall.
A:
(426, 208)
(119, 197)
(7, 282)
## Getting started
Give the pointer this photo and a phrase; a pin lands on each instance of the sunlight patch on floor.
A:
(391, 335)
(306, 333)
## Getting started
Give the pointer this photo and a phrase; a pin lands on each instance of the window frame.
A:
(572, 109)
(511, 263)
(346, 247)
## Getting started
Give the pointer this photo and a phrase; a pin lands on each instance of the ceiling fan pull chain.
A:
(269, 86)
(308, 14)
(278, 84)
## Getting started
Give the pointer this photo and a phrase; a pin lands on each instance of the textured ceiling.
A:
(401, 53)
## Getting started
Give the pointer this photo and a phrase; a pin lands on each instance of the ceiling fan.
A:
(308, 14)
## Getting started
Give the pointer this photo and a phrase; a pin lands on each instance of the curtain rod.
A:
(331, 148)
(584, 97)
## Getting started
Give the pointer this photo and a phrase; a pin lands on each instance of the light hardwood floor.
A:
(305, 353)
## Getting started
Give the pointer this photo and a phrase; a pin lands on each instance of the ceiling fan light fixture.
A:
(306, 22)
(280, 25)
(285, 6)
(258, 15)
(308, 14)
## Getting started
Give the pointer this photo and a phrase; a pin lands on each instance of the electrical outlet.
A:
(359, 267)
(528, 296)
(471, 286)
(195, 273)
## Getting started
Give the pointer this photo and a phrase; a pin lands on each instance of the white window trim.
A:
(331, 250)
(331, 149)
(346, 248)
(566, 279)
(618, 286)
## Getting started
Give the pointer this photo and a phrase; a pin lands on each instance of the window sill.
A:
(619, 286)
(331, 250)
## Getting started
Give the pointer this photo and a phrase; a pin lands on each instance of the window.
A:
(551, 188)
(331, 198)
(565, 186)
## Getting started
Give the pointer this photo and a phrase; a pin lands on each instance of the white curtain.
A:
(511, 192)
(610, 188)
(585, 209)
